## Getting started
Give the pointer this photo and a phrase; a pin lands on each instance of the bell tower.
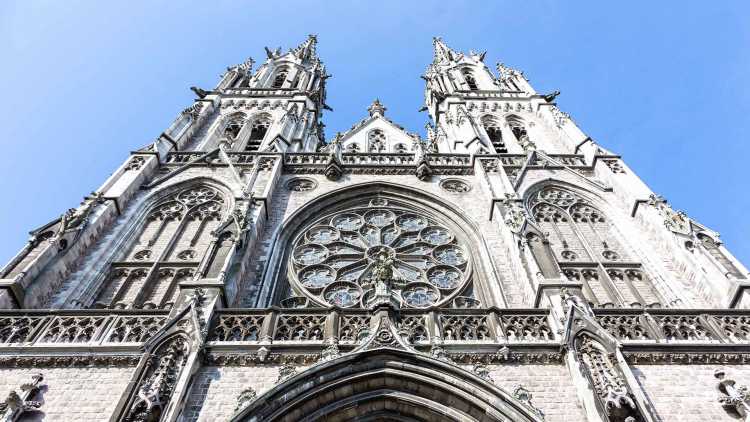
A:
(295, 79)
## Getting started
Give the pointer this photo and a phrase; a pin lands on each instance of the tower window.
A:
(470, 81)
(257, 133)
(233, 129)
(280, 78)
(520, 133)
(492, 128)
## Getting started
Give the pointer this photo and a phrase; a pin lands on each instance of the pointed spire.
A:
(376, 108)
(442, 53)
(306, 50)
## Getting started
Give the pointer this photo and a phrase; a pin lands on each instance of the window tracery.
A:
(334, 260)
(376, 141)
(175, 236)
(588, 249)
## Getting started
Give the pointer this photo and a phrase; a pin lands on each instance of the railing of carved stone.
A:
(79, 327)
(350, 327)
(676, 325)
(389, 163)
(237, 158)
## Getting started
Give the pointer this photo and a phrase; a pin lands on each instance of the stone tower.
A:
(242, 267)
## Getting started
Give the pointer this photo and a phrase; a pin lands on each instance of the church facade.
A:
(245, 267)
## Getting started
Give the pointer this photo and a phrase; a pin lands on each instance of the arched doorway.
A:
(386, 385)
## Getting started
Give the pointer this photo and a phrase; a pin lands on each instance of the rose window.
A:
(335, 261)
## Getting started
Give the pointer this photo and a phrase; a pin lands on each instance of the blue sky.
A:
(662, 83)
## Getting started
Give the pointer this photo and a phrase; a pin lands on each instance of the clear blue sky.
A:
(662, 83)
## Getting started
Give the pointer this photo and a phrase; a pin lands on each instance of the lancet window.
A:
(338, 259)
(469, 78)
(589, 249)
(280, 77)
(167, 250)
(233, 128)
(494, 133)
(519, 131)
(258, 131)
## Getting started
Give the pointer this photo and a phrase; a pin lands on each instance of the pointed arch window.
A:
(376, 141)
(233, 128)
(494, 133)
(471, 82)
(589, 249)
(280, 77)
(172, 241)
(258, 131)
(518, 128)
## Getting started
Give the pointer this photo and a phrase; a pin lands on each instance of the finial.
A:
(376, 108)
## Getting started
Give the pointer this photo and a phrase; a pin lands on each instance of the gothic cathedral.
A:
(245, 267)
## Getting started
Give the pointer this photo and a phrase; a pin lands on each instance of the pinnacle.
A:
(306, 50)
(376, 108)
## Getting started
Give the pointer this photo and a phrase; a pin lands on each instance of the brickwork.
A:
(72, 394)
(687, 393)
(551, 386)
(215, 389)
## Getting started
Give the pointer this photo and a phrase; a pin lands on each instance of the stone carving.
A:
(732, 395)
(72, 329)
(331, 351)
(76, 218)
(614, 166)
(246, 396)
(465, 327)
(423, 171)
(135, 163)
(677, 221)
(286, 371)
(413, 329)
(354, 328)
(506, 73)
(301, 184)
(135, 328)
(194, 110)
(238, 328)
(560, 117)
(625, 327)
(526, 327)
(525, 396)
(607, 381)
(481, 370)
(455, 186)
(158, 381)
(299, 327)
(18, 329)
(15, 405)
(514, 214)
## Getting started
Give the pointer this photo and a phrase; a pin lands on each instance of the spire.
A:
(306, 50)
(442, 53)
(376, 108)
